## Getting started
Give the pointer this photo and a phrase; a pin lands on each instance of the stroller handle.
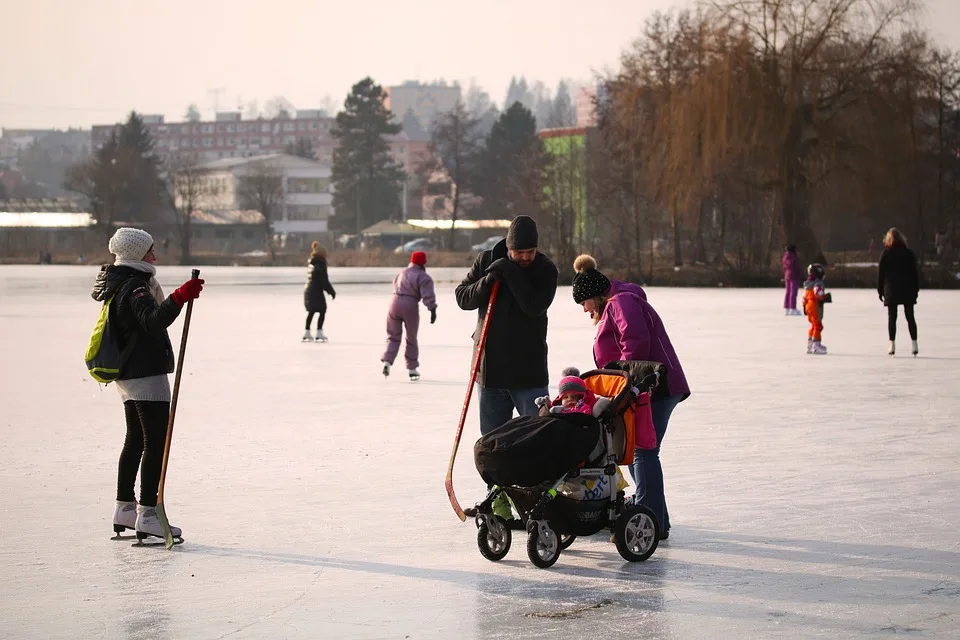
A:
(647, 384)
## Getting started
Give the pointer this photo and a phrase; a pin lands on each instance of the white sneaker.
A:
(149, 523)
(320, 336)
(386, 369)
(916, 348)
(414, 374)
(307, 337)
(819, 349)
(124, 516)
(893, 348)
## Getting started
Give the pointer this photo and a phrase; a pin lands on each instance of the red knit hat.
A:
(419, 257)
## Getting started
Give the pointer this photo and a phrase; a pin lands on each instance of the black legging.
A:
(892, 321)
(143, 448)
(320, 317)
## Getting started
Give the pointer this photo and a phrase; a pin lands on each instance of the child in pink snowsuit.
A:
(410, 286)
(574, 397)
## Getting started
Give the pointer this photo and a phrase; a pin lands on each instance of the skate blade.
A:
(155, 541)
(119, 536)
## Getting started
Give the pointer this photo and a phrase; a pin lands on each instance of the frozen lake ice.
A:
(810, 496)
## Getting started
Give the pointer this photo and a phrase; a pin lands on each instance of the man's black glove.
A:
(433, 315)
(488, 280)
(881, 296)
(498, 266)
(333, 295)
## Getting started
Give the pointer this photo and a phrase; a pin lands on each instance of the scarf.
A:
(146, 267)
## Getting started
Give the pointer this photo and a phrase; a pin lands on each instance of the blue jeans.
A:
(496, 405)
(646, 470)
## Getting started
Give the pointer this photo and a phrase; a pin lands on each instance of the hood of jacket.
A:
(111, 277)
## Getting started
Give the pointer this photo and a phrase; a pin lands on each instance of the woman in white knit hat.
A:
(140, 315)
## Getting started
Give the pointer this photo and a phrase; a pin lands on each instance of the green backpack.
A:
(104, 356)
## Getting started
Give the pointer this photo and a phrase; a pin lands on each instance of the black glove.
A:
(488, 280)
(433, 315)
(333, 295)
(881, 296)
(497, 267)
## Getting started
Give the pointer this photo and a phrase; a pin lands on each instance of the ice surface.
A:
(810, 496)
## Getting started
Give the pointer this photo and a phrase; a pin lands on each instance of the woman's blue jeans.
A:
(646, 470)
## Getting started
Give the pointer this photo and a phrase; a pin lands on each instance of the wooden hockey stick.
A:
(161, 513)
(481, 343)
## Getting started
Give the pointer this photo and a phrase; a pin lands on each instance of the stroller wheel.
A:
(494, 538)
(635, 533)
(566, 541)
(543, 545)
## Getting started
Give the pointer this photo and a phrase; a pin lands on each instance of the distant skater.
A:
(898, 283)
(814, 297)
(792, 277)
(411, 286)
(313, 292)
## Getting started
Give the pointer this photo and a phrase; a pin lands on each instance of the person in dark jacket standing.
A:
(898, 283)
(140, 315)
(313, 299)
(513, 369)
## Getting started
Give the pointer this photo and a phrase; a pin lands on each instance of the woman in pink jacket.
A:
(410, 286)
(628, 328)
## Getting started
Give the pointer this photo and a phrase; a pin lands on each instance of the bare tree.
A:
(260, 187)
(188, 186)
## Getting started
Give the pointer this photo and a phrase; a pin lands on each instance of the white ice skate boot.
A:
(786, 312)
(414, 374)
(809, 345)
(916, 348)
(386, 369)
(307, 337)
(796, 312)
(819, 349)
(893, 348)
(148, 524)
(124, 516)
(320, 336)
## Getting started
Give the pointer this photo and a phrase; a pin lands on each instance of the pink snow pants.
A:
(404, 313)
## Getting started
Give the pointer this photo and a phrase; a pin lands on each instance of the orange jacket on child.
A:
(814, 294)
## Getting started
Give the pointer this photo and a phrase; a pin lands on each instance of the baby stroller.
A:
(533, 460)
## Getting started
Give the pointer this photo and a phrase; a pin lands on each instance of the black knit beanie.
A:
(522, 234)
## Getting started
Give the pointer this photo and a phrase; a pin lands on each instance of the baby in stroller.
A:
(558, 470)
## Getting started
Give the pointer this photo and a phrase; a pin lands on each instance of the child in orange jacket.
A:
(814, 297)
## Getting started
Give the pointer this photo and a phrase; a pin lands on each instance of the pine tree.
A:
(511, 166)
(366, 180)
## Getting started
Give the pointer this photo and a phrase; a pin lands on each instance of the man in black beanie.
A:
(513, 370)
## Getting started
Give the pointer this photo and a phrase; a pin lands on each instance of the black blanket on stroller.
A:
(528, 450)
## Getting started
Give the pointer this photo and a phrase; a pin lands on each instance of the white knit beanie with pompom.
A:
(130, 244)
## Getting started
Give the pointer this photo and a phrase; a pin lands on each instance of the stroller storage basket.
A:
(577, 517)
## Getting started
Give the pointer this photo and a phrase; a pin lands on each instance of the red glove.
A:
(189, 290)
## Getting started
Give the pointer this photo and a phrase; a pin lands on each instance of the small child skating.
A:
(814, 297)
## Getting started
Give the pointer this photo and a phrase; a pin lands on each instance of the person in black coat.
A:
(513, 368)
(898, 283)
(317, 283)
(139, 315)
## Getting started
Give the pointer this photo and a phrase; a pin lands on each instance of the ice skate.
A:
(893, 348)
(321, 337)
(414, 374)
(809, 345)
(148, 524)
(796, 312)
(787, 312)
(124, 517)
(915, 348)
(386, 369)
(307, 337)
(819, 349)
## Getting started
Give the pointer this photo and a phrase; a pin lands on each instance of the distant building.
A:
(587, 100)
(71, 145)
(426, 101)
(306, 203)
(228, 136)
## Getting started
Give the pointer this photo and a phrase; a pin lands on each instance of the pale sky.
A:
(90, 62)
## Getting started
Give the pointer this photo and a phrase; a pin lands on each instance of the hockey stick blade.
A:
(165, 524)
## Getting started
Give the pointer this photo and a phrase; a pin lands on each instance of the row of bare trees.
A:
(741, 125)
